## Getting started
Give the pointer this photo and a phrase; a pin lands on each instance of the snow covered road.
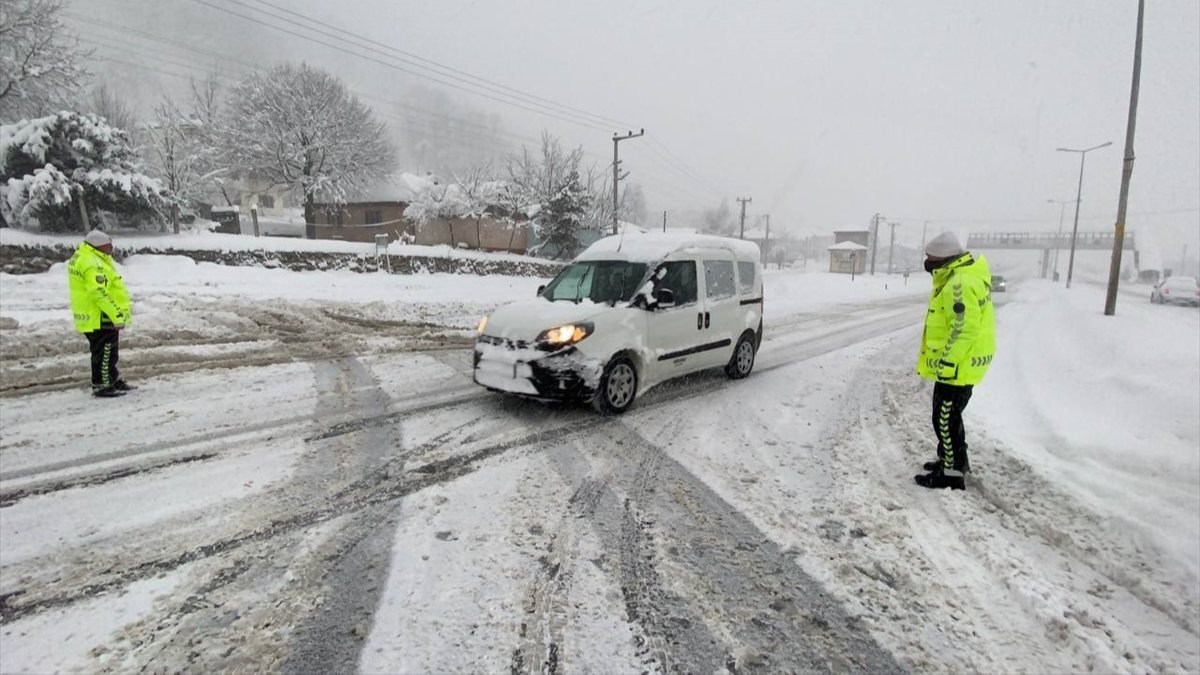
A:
(368, 507)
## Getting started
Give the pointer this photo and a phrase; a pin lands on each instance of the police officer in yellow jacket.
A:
(100, 304)
(956, 350)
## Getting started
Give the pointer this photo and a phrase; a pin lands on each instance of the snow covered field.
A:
(308, 480)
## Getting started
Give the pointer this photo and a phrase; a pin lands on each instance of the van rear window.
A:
(746, 272)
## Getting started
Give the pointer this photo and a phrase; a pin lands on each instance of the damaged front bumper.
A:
(516, 368)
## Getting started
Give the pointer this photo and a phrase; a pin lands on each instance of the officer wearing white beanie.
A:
(957, 347)
(101, 309)
(944, 246)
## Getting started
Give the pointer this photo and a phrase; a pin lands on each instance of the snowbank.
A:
(1106, 406)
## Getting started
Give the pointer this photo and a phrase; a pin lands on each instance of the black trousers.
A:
(949, 402)
(105, 354)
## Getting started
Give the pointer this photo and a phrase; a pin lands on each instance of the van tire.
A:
(617, 388)
(742, 361)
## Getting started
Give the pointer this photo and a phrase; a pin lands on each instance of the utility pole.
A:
(617, 175)
(744, 202)
(891, 245)
(1114, 272)
(664, 221)
(923, 228)
(767, 242)
(874, 239)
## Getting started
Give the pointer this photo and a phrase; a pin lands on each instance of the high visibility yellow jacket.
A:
(960, 328)
(97, 290)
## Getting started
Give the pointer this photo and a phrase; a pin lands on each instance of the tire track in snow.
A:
(705, 589)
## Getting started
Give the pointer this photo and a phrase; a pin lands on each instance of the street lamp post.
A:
(1062, 211)
(1078, 198)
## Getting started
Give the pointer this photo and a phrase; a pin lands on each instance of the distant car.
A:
(999, 285)
(1176, 291)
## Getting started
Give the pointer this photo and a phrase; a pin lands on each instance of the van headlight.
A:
(482, 325)
(566, 334)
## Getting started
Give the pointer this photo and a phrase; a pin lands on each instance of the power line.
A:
(682, 165)
(441, 66)
(572, 119)
(159, 55)
(406, 122)
(487, 134)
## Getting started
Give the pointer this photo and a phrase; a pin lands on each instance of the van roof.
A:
(654, 246)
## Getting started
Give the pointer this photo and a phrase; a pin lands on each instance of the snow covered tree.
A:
(561, 218)
(481, 193)
(558, 198)
(298, 127)
(41, 63)
(51, 165)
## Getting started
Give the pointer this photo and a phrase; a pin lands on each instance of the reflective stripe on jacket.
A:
(959, 341)
(97, 290)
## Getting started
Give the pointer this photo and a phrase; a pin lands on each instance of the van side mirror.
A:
(664, 298)
(541, 288)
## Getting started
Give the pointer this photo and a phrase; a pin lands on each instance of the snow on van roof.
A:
(654, 246)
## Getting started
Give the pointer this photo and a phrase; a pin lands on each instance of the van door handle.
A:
(700, 321)
(707, 319)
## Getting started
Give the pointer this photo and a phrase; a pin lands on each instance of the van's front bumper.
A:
(564, 375)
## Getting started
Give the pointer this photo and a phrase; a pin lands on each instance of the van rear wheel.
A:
(618, 387)
(742, 361)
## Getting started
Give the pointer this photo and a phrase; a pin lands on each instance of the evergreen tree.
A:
(561, 218)
(48, 165)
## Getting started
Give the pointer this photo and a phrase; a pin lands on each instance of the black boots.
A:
(938, 480)
(939, 477)
(119, 389)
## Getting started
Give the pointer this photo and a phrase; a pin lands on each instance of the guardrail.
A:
(1096, 241)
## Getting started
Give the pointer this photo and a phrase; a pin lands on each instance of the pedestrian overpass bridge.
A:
(1049, 243)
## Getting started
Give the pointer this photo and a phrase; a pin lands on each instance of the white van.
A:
(627, 314)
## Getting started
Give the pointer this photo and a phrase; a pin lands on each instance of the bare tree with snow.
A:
(481, 192)
(110, 104)
(298, 127)
(41, 63)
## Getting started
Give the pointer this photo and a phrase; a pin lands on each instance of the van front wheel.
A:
(618, 386)
(742, 361)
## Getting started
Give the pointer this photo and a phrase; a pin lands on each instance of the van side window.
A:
(680, 279)
(718, 279)
(745, 277)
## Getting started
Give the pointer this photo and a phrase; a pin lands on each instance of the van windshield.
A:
(600, 281)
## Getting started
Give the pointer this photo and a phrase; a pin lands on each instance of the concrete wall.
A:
(496, 235)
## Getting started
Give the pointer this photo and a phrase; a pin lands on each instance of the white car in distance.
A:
(629, 313)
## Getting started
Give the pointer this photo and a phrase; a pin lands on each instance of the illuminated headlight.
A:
(562, 336)
(482, 325)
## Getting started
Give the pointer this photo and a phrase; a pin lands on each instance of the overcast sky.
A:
(824, 113)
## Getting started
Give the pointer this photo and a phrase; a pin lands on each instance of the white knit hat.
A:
(98, 238)
(945, 245)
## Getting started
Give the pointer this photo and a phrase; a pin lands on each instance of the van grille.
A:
(504, 342)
